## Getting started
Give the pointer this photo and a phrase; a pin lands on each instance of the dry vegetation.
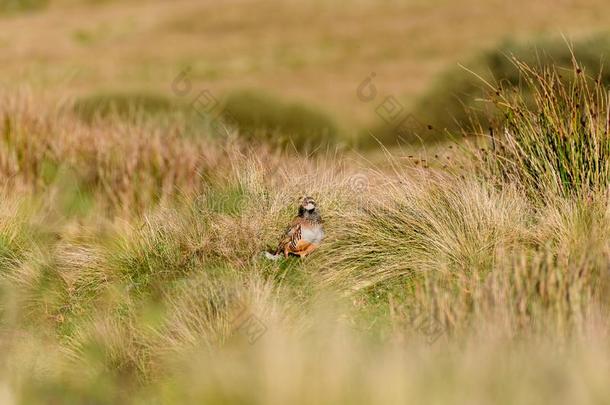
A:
(315, 52)
(131, 229)
(137, 275)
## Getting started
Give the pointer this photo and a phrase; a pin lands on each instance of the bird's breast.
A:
(312, 234)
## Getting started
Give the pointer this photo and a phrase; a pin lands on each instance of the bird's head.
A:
(308, 206)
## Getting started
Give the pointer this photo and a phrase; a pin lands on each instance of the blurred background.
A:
(351, 71)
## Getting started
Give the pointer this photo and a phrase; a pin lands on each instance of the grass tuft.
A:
(556, 142)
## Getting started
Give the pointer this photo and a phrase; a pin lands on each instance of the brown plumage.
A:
(303, 235)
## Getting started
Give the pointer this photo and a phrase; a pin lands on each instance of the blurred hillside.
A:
(316, 51)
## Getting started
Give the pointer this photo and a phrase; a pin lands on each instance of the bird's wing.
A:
(292, 235)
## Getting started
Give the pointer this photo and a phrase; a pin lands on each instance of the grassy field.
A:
(132, 221)
(315, 52)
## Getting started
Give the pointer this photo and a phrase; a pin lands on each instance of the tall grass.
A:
(558, 146)
(122, 165)
(457, 96)
(476, 286)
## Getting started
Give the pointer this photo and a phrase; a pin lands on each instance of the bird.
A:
(303, 235)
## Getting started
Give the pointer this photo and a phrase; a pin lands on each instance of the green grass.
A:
(260, 116)
(458, 96)
(454, 96)
(553, 137)
(124, 105)
(12, 6)
(255, 115)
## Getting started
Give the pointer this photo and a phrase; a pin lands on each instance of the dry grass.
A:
(429, 279)
(130, 266)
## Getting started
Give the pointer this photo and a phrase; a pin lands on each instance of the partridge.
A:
(304, 234)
